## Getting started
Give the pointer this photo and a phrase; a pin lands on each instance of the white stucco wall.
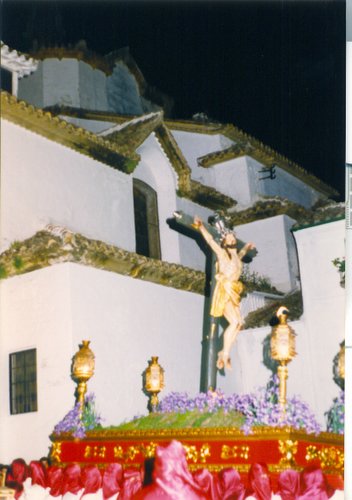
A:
(156, 170)
(277, 254)
(30, 88)
(127, 321)
(284, 185)
(240, 178)
(319, 331)
(231, 178)
(276, 258)
(194, 145)
(323, 301)
(302, 381)
(191, 254)
(65, 82)
(43, 182)
(36, 313)
(123, 92)
(95, 126)
(92, 88)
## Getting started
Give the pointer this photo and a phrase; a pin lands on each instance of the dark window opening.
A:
(23, 382)
(146, 220)
(6, 80)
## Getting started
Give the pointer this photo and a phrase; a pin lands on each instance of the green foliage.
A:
(90, 417)
(3, 272)
(189, 419)
(336, 415)
(130, 166)
(340, 264)
(16, 245)
(254, 282)
(262, 316)
(17, 262)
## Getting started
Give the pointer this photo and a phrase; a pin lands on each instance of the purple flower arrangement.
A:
(260, 408)
(336, 415)
(76, 423)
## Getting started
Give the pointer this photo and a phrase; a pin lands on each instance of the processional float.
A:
(212, 448)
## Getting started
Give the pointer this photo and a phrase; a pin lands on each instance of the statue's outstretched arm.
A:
(198, 223)
(245, 249)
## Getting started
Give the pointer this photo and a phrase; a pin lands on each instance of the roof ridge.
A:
(133, 121)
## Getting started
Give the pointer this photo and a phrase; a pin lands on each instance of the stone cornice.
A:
(266, 208)
(175, 155)
(321, 214)
(235, 151)
(246, 145)
(271, 207)
(268, 157)
(53, 128)
(208, 197)
(250, 146)
(56, 245)
(306, 225)
(195, 127)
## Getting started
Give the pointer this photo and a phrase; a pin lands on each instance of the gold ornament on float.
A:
(5, 492)
(83, 369)
(154, 382)
(283, 349)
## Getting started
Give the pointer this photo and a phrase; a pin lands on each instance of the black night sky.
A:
(275, 69)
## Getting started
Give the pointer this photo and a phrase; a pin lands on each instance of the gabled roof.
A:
(131, 134)
(12, 60)
(187, 187)
(117, 149)
(246, 145)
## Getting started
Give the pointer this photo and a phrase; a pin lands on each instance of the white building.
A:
(89, 186)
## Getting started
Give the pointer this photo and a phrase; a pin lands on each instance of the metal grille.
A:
(23, 382)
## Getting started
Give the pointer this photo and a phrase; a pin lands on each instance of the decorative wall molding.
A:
(56, 244)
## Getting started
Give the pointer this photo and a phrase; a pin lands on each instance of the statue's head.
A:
(228, 237)
(229, 240)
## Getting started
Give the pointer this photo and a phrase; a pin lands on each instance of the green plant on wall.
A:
(340, 265)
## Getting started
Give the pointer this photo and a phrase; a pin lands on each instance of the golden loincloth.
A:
(224, 291)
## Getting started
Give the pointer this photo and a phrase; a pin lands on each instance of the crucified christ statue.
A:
(227, 293)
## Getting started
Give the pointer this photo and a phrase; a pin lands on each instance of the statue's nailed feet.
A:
(224, 361)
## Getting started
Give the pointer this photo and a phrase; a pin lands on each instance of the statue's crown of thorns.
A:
(219, 222)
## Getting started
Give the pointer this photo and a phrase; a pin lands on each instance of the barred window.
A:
(23, 382)
(146, 220)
